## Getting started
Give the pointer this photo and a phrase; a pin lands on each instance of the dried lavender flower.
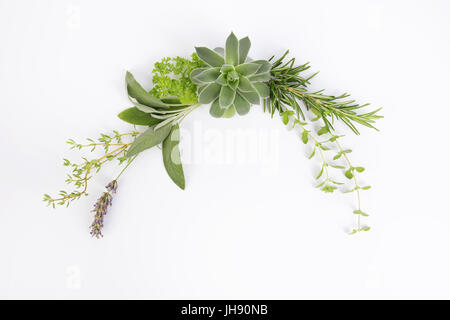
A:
(112, 186)
(101, 209)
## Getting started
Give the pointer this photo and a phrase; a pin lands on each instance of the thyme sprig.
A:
(114, 148)
(290, 97)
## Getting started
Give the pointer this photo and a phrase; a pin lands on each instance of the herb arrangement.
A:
(231, 82)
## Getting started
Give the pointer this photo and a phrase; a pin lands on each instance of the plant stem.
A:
(356, 183)
(129, 162)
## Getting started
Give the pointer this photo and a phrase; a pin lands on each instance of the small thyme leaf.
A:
(305, 136)
(349, 174)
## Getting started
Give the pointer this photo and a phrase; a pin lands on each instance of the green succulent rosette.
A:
(231, 81)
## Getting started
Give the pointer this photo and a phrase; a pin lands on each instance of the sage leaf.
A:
(136, 91)
(150, 138)
(171, 157)
(135, 116)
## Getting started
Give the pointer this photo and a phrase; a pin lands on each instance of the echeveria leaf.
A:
(220, 51)
(209, 75)
(221, 80)
(136, 91)
(209, 57)
(201, 87)
(245, 85)
(229, 112)
(244, 48)
(135, 116)
(251, 97)
(209, 93)
(264, 66)
(195, 73)
(242, 106)
(226, 97)
(232, 50)
(233, 85)
(148, 139)
(260, 77)
(247, 69)
(262, 88)
(216, 111)
(227, 68)
(171, 157)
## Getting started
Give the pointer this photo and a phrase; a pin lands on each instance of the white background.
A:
(255, 229)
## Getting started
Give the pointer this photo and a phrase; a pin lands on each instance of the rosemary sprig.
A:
(287, 89)
(287, 86)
